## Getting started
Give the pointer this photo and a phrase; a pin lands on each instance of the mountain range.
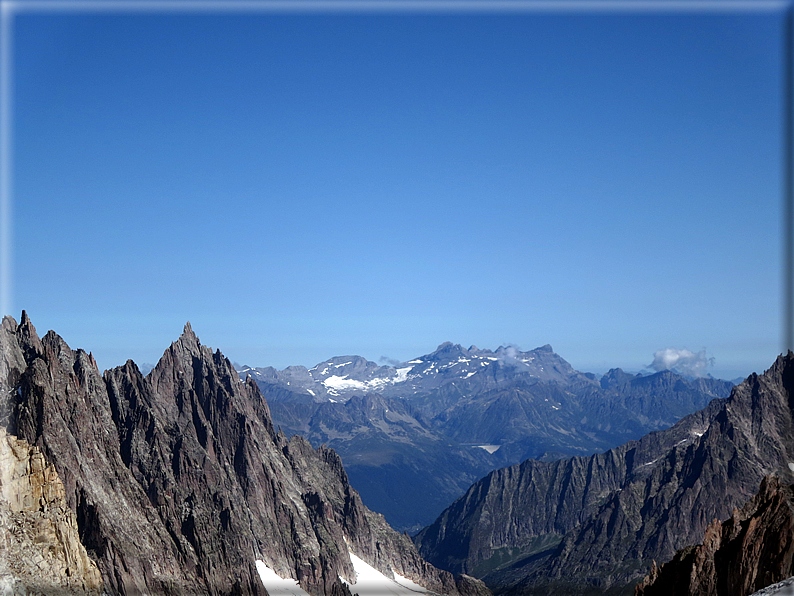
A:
(174, 483)
(595, 524)
(443, 420)
(179, 482)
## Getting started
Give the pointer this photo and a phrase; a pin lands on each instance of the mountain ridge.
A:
(179, 481)
(598, 521)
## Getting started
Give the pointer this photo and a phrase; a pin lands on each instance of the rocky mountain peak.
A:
(447, 348)
(188, 331)
(180, 484)
(29, 338)
(189, 340)
(615, 377)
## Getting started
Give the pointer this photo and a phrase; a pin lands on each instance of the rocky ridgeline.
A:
(751, 550)
(40, 551)
(178, 480)
(595, 524)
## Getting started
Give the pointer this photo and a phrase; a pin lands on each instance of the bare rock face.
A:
(40, 551)
(180, 482)
(471, 586)
(751, 550)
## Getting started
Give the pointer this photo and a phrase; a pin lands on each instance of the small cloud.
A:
(509, 355)
(682, 361)
(389, 361)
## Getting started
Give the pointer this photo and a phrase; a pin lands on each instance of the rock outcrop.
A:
(751, 550)
(179, 481)
(40, 549)
(595, 524)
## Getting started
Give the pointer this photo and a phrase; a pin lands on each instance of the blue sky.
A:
(306, 185)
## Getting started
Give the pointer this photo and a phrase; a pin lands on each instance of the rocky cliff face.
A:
(179, 481)
(751, 550)
(595, 524)
(40, 551)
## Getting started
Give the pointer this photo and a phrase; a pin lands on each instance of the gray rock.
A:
(179, 480)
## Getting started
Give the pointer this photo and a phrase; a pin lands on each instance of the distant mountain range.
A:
(445, 419)
(595, 524)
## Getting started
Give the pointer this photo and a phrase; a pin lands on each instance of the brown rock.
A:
(752, 549)
(41, 537)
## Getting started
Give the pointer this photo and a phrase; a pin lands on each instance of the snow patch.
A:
(277, 585)
(402, 374)
(371, 582)
(337, 382)
(489, 448)
(648, 463)
(791, 466)
(784, 588)
(407, 583)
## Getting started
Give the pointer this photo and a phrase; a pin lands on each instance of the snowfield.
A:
(784, 588)
(369, 582)
(278, 586)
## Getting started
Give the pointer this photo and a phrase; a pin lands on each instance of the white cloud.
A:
(682, 360)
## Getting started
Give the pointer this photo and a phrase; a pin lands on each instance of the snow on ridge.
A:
(277, 585)
(402, 374)
(371, 582)
(337, 382)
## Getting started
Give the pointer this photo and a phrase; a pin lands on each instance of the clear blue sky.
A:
(300, 186)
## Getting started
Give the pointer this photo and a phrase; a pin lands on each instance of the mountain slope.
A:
(179, 481)
(599, 521)
(751, 550)
(390, 452)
